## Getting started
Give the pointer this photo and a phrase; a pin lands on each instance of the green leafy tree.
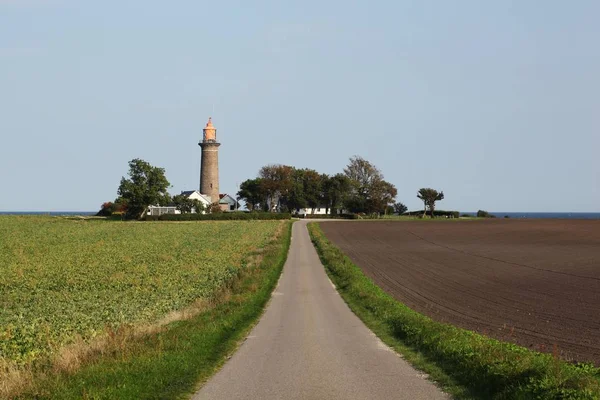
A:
(335, 191)
(429, 197)
(146, 185)
(362, 175)
(381, 194)
(187, 205)
(369, 192)
(182, 203)
(277, 184)
(400, 208)
(296, 197)
(312, 184)
(197, 206)
(251, 191)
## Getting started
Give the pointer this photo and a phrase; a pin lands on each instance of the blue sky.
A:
(495, 103)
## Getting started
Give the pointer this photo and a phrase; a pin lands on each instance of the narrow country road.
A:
(309, 345)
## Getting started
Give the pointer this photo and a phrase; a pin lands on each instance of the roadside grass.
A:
(173, 362)
(467, 365)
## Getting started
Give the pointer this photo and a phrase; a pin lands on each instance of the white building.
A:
(160, 210)
(308, 211)
(228, 203)
(172, 209)
(196, 195)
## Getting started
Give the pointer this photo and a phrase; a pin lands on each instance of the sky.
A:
(495, 103)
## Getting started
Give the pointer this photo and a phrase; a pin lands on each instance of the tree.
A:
(146, 185)
(187, 205)
(276, 184)
(381, 194)
(296, 197)
(400, 208)
(197, 206)
(215, 208)
(312, 188)
(369, 192)
(429, 197)
(335, 191)
(362, 175)
(182, 203)
(252, 193)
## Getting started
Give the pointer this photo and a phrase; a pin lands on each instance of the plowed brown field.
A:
(531, 282)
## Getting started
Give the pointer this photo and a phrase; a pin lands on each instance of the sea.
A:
(498, 214)
(553, 215)
(52, 213)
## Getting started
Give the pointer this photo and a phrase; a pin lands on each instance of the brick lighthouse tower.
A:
(209, 167)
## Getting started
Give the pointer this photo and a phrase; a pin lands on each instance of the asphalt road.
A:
(309, 345)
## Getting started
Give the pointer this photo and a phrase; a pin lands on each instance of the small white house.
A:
(308, 211)
(160, 210)
(172, 209)
(196, 195)
(228, 203)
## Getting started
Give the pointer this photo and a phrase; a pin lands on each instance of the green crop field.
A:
(62, 279)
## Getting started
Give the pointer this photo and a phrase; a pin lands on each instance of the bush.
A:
(436, 213)
(329, 216)
(400, 208)
(106, 209)
(484, 214)
(110, 209)
(224, 216)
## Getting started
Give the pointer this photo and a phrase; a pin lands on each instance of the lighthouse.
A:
(209, 165)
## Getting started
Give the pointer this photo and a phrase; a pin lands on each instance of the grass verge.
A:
(464, 363)
(171, 363)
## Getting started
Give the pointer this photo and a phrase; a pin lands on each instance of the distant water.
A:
(52, 213)
(564, 215)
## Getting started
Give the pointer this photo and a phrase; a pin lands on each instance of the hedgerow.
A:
(225, 216)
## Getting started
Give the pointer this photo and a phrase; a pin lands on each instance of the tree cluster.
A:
(359, 189)
(147, 185)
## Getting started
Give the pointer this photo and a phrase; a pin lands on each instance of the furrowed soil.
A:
(531, 282)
